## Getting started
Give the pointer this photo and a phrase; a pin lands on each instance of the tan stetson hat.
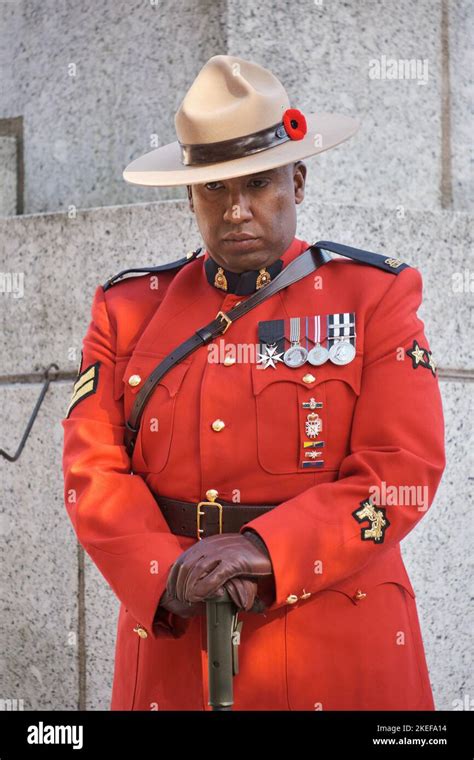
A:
(235, 120)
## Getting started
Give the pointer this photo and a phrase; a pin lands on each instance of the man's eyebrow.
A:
(267, 171)
(271, 172)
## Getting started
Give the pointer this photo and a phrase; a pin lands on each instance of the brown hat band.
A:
(236, 147)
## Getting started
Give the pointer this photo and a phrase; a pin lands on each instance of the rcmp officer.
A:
(240, 416)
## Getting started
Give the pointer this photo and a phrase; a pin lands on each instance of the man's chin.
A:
(242, 262)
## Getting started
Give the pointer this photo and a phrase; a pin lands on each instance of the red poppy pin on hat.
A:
(236, 119)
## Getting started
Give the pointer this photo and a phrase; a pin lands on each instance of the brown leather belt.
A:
(208, 518)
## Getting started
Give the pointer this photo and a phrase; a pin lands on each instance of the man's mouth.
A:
(239, 236)
(240, 241)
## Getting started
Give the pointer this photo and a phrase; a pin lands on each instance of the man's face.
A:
(262, 205)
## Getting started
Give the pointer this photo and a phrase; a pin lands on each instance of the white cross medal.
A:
(269, 356)
(271, 337)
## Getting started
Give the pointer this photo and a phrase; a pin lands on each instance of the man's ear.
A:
(299, 179)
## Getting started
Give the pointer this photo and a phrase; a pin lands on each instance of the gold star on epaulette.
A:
(417, 354)
(431, 362)
(421, 357)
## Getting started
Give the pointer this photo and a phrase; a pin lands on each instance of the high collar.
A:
(245, 283)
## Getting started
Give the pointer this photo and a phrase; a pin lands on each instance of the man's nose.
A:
(237, 208)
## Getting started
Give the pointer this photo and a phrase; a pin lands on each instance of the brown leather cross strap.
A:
(308, 261)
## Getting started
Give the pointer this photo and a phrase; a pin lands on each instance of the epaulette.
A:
(160, 268)
(395, 266)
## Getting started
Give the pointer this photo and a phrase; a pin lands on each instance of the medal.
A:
(271, 335)
(313, 425)
(342, 352)
(318, 354)
(269, 356)
(341, 337)
(312, 404)
(295, 355)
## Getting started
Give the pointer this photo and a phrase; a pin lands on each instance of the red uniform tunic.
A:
(343, 632)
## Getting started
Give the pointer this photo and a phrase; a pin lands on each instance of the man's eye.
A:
(208, 185)
(263, 182)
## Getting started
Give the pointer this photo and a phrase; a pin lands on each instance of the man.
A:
(313, 428)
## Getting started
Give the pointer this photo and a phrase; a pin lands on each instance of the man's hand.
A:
(183, 609)
(242, 591)
(208, 564)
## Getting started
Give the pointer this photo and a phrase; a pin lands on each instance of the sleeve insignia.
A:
(379, 522)
(85, 385)
(421, 356)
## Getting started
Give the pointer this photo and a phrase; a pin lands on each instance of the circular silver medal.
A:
(295, 356)
(318, 355)
(342, 352)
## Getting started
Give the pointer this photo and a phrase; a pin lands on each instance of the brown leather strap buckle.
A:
(226, 319)
(212, 495)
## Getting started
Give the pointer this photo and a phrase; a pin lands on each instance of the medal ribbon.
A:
(293, 330)
(271, 331)
(315, 333)
(340, 325)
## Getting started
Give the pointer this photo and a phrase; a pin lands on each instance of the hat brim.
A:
(163, 166)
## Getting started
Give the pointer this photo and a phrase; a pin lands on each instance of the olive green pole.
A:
(223, 636)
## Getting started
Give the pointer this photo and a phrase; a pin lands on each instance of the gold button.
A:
(291, 599)
(134, 380)
(229, 361)
(218, 425)
(359, 594)
(309, 378)
(305, 594)
(142, 632)
(189, 254)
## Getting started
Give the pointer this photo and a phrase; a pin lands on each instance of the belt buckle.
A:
(212, 495)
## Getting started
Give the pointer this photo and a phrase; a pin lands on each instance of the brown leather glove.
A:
(168, 625)
(242, 591)
(172, 617)
(183, 609)
(208, 564)
(266, 590)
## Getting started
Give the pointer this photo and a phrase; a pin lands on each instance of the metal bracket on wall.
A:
(47, 380)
